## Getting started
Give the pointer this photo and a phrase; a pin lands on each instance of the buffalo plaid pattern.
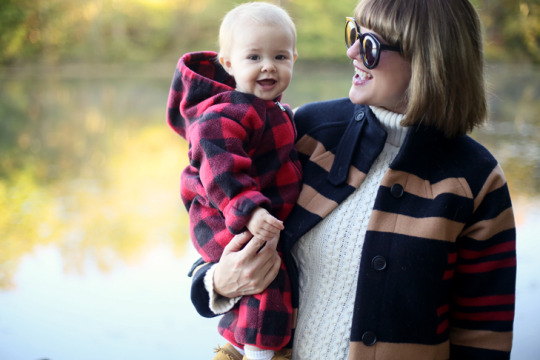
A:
(241, 156)
(263, 320)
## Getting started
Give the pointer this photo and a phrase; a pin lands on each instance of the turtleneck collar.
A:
(391, 123)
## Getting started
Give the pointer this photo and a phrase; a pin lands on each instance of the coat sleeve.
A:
(483, 298)
(206, 301)
(199, 295)
(221, 151)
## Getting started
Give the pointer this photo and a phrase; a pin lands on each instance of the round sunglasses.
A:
(370, 46)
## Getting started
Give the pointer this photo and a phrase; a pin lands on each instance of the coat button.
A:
(396, 190)
(360, 116)
(378, 263)
(369, 338)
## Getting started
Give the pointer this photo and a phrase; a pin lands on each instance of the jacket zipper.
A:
(280, 106)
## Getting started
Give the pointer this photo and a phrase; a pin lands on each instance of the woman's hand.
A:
(244, 270)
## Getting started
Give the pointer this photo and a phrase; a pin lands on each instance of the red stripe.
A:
(443, 309)
(448, 274)
(486, 300)
(485, 316)
(486, 266)
(497, 249)
(441, 328)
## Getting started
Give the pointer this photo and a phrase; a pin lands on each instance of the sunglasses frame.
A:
(361, 36)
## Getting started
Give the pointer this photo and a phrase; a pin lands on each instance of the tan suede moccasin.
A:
(227, 352)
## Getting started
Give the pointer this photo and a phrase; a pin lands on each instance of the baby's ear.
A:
(226, 63)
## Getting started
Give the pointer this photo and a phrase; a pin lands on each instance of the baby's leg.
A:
(262, 320)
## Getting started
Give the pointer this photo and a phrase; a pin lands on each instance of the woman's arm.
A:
(482, 311)
(242, 270)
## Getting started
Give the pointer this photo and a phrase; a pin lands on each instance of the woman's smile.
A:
(361, 76)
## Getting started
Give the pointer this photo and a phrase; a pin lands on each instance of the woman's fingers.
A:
(249, 269)
(253, 246)
(270, 272)
(238, 242)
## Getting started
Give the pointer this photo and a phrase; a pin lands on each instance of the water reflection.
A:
(88, 187)
(86, 164)
(513, 133)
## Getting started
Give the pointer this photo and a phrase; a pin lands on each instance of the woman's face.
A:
(384, 86)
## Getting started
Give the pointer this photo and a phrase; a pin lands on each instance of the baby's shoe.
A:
(227, 352)
(284, 354)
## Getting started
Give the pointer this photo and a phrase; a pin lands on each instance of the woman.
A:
(402, 243)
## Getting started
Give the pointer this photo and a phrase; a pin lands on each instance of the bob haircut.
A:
(256, 14)
(442, 39)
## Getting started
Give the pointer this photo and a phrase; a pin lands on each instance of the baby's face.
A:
(261, 60)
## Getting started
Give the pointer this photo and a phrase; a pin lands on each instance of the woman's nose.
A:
(354, 51)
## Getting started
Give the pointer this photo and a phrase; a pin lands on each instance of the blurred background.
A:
(94, 246)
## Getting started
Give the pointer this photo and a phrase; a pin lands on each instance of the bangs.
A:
(389, 19)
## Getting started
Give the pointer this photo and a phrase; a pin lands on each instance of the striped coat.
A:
(437, 271)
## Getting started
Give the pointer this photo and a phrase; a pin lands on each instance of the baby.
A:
(243, 168)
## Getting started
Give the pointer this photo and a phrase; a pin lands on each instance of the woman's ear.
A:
(226, 63)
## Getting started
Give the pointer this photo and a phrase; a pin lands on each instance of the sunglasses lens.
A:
(350, 33)
(370, 51)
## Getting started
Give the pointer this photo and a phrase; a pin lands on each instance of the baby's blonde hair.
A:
(256, 13)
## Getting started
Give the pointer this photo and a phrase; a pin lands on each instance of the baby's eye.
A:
(253, 57)
(281, 57)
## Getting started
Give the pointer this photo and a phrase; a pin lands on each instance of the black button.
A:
(396, 190)
(360, 116)
(378, 263)
(369, 338)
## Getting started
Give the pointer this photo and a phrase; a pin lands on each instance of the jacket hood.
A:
(199, 81)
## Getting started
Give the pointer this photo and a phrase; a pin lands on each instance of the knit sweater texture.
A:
(327, 258)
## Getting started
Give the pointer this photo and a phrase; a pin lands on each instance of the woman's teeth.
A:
(362, 75)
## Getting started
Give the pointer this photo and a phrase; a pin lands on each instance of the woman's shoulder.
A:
(432, 156)
(328, 108)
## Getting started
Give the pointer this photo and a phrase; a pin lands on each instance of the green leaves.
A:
(60, 31)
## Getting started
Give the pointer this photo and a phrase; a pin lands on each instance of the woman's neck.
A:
(391, 121)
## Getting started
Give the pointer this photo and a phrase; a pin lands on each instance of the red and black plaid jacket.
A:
(241, 152)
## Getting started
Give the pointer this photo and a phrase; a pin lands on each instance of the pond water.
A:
(93, 238)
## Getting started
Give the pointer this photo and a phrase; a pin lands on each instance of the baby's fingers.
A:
(270, 229)
(273, 223)
(267, 235)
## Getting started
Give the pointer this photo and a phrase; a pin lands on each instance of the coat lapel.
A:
(339, 159)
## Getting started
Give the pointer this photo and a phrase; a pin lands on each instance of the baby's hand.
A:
(263, 225)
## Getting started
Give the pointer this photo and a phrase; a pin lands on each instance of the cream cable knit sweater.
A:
(328, 261)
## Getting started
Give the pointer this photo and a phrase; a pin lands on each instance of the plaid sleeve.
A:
(482, 308)
(220, 148)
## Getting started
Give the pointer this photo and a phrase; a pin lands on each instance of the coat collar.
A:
(327, 184)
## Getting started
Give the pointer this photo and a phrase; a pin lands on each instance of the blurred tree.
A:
(512, 29)
(146, 30)
(320, 26)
